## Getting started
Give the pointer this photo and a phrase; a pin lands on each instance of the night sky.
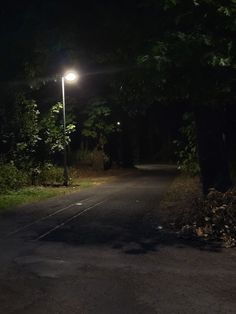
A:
(91, 28)
(94, 37)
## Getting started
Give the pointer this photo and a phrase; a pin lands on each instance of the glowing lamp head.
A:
(118, 122)
(71, 76)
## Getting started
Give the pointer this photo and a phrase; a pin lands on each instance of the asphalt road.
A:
(102, 251)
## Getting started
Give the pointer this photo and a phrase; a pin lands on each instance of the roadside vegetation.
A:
(32, 149)
(81, 178)
(186, 209)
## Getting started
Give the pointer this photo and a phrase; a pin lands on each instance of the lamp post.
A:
(69, 77)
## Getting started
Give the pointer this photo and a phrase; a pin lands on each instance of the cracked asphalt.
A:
(100, 251)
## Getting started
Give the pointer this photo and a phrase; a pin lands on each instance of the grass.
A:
(37, 193)
(25, 195)
(81, 179)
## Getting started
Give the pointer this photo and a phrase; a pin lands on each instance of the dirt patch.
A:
(179, 202)
(88, 172)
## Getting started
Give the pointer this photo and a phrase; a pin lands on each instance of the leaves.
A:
(194, 56)
(52, 130)
(214, 218)
(186, 146)
(98, 124)
(21, 132)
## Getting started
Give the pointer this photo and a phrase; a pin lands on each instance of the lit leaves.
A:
(52, 129)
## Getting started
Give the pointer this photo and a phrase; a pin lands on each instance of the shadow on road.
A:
(132, 232)
(135, 238)
(122, 222)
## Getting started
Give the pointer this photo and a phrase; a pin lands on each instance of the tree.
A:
(52, 132)
(98, 125)
(195, 58)
(20, 132)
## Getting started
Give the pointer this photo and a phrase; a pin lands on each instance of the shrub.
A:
(11, 178)
(186, 147)
(50, 175)
(99, 124)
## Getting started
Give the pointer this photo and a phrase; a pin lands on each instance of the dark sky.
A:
(100, 38)
(94, 26)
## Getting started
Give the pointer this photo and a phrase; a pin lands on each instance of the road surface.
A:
(103, 251)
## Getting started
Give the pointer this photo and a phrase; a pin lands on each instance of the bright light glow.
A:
(71, 76)
(118, 123)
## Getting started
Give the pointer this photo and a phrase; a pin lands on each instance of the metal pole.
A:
(66, 176)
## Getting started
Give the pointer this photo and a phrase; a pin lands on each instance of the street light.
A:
(69, 77)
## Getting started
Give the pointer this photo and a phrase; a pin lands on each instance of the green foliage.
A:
(52, 129)
(46, 174)
(186, 146)
(50, 175)
(196, 54)
(24, 134)
(98, 125)
(28, 137)
(11, 178)
(27, 195)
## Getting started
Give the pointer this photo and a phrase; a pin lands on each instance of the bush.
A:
(11, 178)
(186, 147)
(50, 175)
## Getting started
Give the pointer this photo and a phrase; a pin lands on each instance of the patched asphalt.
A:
(101, 251)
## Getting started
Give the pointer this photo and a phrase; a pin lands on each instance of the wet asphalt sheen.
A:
(103, 251)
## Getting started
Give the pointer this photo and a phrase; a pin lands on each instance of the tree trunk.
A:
(212, 148)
